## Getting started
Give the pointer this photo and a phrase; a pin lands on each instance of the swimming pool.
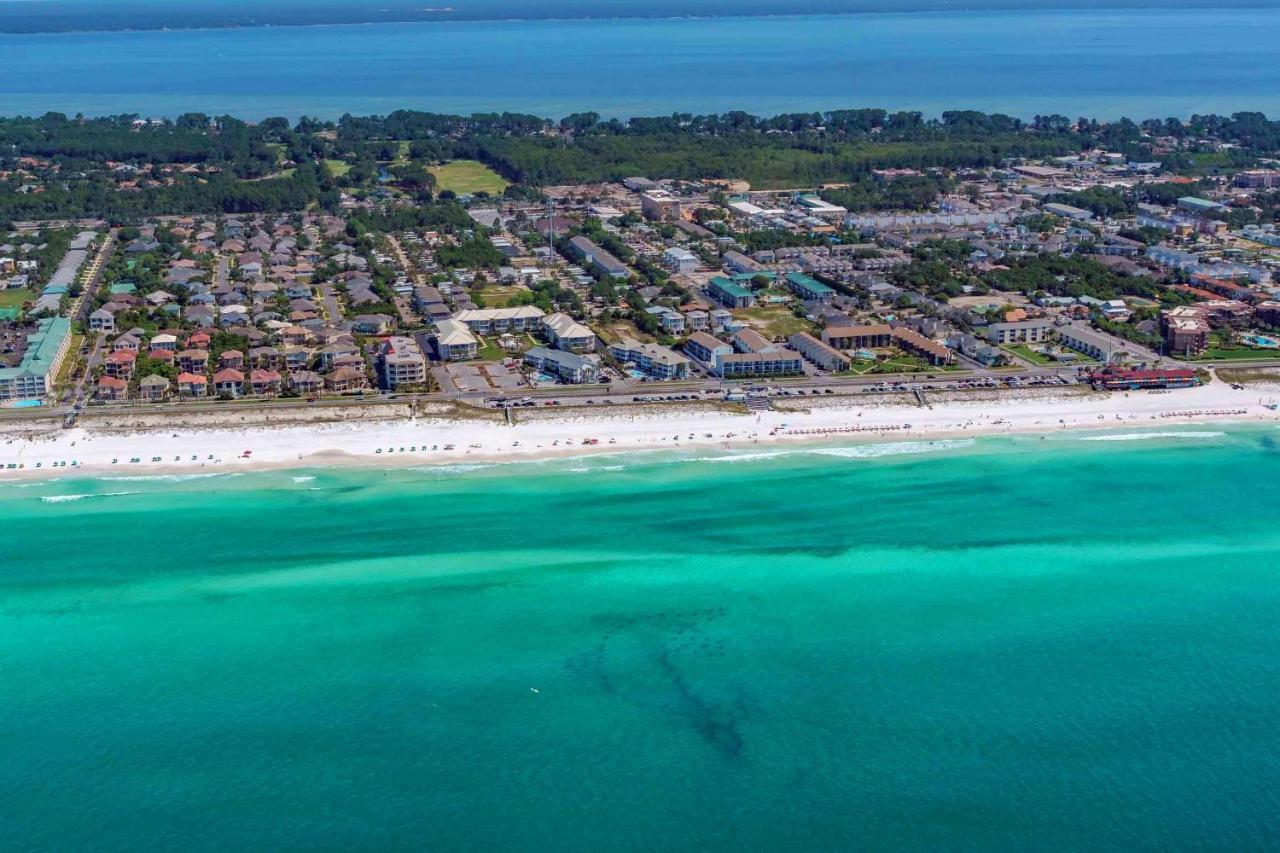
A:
(26, 404)
(1260, 341)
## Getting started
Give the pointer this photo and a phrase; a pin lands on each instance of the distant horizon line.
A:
(76, 13)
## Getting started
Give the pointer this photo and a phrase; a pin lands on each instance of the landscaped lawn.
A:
(1240, 353)
(468, 176)
(1024, 351)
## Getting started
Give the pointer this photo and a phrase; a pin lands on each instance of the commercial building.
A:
(1200, 206)
(652, 360)
(568, 367)
(46, 348)
(660, 204)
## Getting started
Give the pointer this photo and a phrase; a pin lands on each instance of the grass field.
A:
(337, 168)
(775, 321)
(468, 176)
(15, 297)
(500, 295)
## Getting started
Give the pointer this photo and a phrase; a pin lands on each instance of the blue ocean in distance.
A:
(1095, 62)
(993, 644)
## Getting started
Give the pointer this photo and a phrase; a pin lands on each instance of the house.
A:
(721, 320)
(153, 387)
(264, 382)
(824, 356)
(228, 382)
(697, 320)
(569, 367)
(164, 341)
(232, 358)
(707, 350)
(199, 340)
(670, 320)
(654, 361)
(102, 320)
(372, 324)
(454, 341)
(193, 360)
(192, 385)
(345, 379)
(112, 388)
(265, 357)
(119, 363)
(729, 293)
(567, 334)
(305, 381)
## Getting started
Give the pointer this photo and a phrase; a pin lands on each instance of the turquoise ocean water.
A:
(1063, 643)
(1098, 62)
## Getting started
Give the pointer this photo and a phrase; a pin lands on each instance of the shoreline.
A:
(426, 441)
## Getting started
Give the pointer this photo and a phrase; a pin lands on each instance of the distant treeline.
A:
(227, 165)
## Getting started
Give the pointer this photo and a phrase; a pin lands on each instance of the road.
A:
(79, 313)
(408, 317)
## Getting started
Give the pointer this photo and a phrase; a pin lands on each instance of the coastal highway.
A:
(652, 393)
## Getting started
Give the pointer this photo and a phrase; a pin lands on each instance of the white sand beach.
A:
(418, 441)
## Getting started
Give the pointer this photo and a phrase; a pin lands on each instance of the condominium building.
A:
(569, 367)
(654, 361)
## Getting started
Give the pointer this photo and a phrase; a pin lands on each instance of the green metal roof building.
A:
(808, 287)
(46, 348)
(730, 294)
